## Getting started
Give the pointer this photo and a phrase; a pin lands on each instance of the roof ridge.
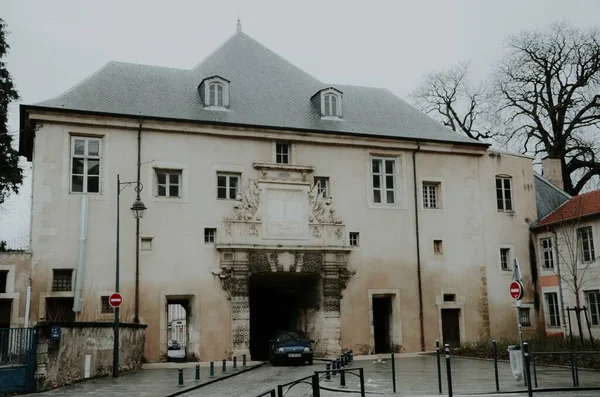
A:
(552, 185)
(211, 53)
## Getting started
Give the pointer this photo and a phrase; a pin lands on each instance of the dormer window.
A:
(214, 92)
(329, 103)
(330, 108)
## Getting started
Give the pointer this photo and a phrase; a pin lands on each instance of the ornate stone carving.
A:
(316, 232)
(258, 262)
(312, 262)
(332, 305)
(331, 287)
(274, 256)
(294, 265)
(226, 277)
(345, 275)
(321, 208)
(234, 285)
(228, 229)
(241, 334)
(339, 233)
(247, 203)
(239, 286)
(252, 230)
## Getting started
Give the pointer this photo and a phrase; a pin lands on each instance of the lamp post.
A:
(137, 209)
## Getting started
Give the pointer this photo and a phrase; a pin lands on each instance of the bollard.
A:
(244, 361)
(327, 374)
(494, 347)
(535, 382)
(224, 369)
(334, 368)
(340, 363)
(342, 379)
(234, 363)
(576, 370)
(361, 375)
(439, 368)
(393, 373)
(180, 383)
(212, 370)
(448, 370)
(315, 386)
(351, 356)
(527, 371)
(197, 373)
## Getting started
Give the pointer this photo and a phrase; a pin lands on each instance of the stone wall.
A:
(85, 350)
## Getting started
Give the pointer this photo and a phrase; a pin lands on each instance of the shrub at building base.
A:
(85, 350)
(483, 349)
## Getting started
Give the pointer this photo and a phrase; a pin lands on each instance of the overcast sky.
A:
(390, 44)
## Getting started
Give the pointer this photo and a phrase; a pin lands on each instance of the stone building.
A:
(274, 200)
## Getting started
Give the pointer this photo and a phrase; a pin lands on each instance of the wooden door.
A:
(450, 327)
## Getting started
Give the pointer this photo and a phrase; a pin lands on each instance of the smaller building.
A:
(14, 280)
(565, 241)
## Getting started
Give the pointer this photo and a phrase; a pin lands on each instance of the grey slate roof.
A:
(548, 196)
(265, 90)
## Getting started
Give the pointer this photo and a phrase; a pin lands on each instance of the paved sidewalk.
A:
(158, 380)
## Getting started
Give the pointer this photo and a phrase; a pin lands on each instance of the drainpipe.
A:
(136, 318)
(414, 159)
(560, 293)
(27, 303)
(81, 253)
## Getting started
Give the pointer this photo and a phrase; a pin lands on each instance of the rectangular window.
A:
(106, 307)
(524, 317)
(504, 193)
(210, 235)
(505, 259)
(553, 309)
(3, 281)
(322, 183)
(586, 244)
(62, 280)
(593, 298)
(146, 243)
(227, 186)
(282, 153)
(547, 253)
(354, 239)
(431, 195)
(383, 171)
(85, 164)
(168, 183)
(437, 247)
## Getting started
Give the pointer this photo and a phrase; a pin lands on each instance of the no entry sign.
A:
(115, 299)
(516, 290)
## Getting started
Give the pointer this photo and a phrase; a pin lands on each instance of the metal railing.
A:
(15, 344)
(20, 244)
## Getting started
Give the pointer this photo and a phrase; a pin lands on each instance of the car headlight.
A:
(306, 349)
(281, 350)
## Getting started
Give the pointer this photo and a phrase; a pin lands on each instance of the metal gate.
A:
(17, 359)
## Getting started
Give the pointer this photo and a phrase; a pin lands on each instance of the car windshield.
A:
(289, 335)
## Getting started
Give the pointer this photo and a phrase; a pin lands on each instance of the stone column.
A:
(331, 306)
(240, 315)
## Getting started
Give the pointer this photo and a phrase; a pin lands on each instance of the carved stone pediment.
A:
(247, 204)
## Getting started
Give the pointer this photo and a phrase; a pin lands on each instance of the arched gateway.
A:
(283, 261)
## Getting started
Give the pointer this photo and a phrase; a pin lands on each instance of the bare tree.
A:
(455, 101)
(548, 88)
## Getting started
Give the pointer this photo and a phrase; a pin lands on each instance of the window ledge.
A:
(217, 108)
(305, 169)
(332, 118)
(511, 212)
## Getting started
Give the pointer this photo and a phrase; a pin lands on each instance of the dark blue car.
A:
(291, 346)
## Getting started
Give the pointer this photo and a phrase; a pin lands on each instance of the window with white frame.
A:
(215, 94)
(168, 183)
(505, 259)
(593, 298)
(437, 247)
(586, 244)
(282, 153)
(331, 103)
(354, 239)
(227, 185)
(431, 195)
(524, 316)
(85, 164)
(504, 193)
(146, 243)
(383, 173)
(210, 235)
(322, 183)
(553, 309)
(547, 253)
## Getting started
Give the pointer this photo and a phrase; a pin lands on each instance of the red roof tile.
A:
(578, 206)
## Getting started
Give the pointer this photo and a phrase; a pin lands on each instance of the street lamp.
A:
(137, 209)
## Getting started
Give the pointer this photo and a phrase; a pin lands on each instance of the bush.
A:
(483, 349)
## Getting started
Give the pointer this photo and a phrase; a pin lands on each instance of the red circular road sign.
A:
(115, 299)
(516, 290)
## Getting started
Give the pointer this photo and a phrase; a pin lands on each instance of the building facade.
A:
(273, 201)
